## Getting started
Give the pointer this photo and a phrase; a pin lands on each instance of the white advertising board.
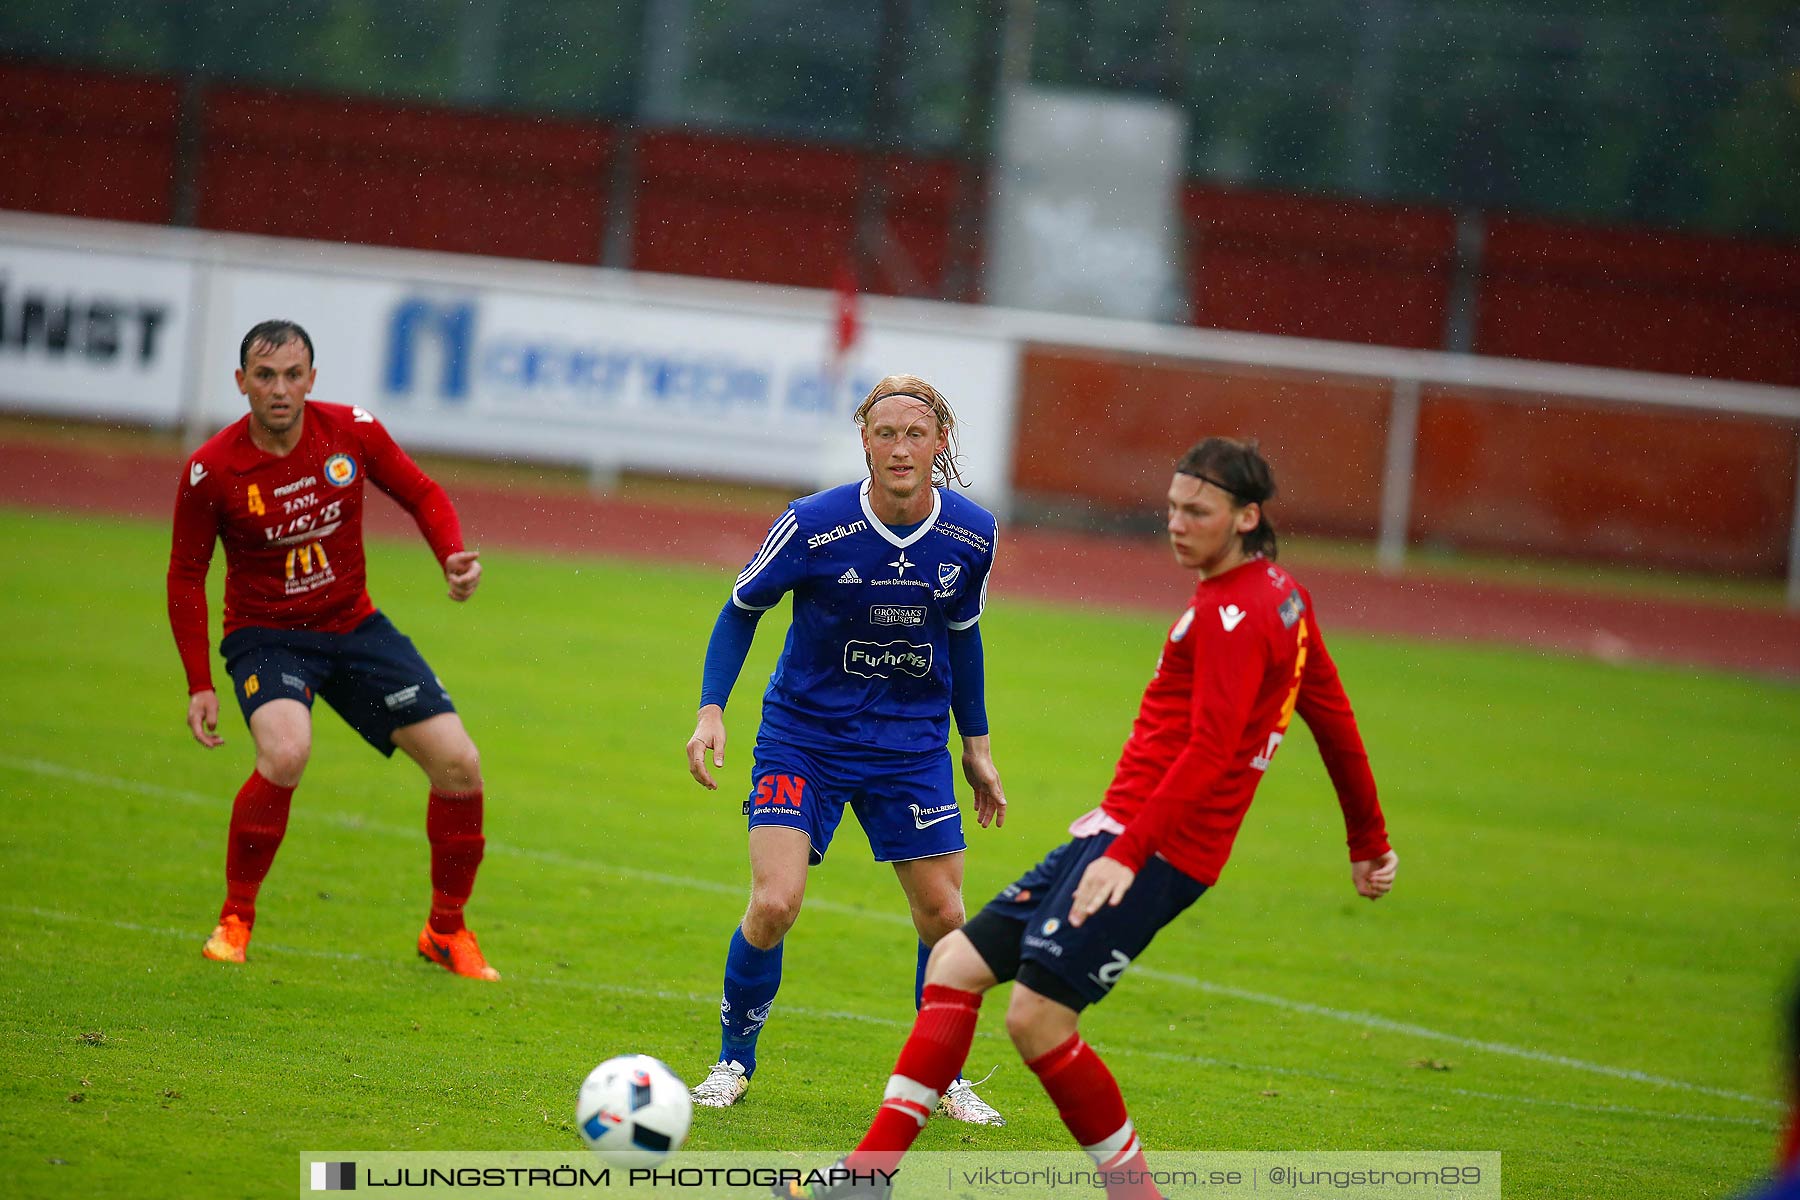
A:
(93, 334)
(684, 388)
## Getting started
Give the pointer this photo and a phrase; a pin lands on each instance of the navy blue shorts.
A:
(1024, 932)
(906, 803)
(373, 676)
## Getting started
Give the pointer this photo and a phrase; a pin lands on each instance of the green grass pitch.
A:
(1597, 908)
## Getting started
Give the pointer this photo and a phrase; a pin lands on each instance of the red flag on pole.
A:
(849, 324)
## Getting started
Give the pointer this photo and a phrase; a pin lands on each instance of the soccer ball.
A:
(632, 1111)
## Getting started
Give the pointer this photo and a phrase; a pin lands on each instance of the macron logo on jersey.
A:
(1231, 616)
(196, 473)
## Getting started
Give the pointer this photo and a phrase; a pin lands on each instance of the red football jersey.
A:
(292, 527)
(1237, 665)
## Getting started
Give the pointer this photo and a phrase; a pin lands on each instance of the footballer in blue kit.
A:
(889, 577)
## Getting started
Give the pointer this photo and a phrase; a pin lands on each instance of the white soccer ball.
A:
(633, 1111)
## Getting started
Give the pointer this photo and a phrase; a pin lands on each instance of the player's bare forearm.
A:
(1374, 877)
(984, 781)
(203, 718)
(462, 571)
(709, 734)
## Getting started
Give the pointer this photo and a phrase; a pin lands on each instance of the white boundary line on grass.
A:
(709, 1004)
(1366, 1020)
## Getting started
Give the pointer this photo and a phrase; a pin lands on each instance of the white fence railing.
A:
(505, 358)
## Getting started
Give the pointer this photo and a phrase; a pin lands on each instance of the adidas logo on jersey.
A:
(850, 576)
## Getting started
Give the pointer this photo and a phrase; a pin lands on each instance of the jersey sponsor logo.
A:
(340, 470)
(196, 472)
(896, 614)
(1291, 609)
(879, 660)
(1109, 974)
(948, 574)
(782, 791)
(288, 489)
(925, 818)
(293, 681)
(900, 564)
(307, 568)
(833, 534)
(1181, 625)
(967, 537)
(1231, 616)
(850, 576)
(404, 698)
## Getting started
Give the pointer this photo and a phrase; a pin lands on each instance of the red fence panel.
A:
(1104, 431)
(1647, 301)
(87, 144)
(785, 213)
(349, 170)
(1319, 268)
(1605, 482)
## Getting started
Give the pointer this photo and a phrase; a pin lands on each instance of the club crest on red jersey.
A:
(340, 470)
(1181, 626)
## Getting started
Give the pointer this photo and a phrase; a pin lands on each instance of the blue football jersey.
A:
(866, 662)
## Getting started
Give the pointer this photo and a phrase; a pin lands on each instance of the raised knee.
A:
(461, 771)
(283, 763)
(771, 915)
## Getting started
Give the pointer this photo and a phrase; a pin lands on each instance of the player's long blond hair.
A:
(947, 463)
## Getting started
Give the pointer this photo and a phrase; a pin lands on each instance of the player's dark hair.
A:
(278, 332)
(1236, 466)
(947, 464)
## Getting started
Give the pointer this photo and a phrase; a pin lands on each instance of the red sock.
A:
(934, 1052)
(453, 826)
(259, 818)
(1088, 1100)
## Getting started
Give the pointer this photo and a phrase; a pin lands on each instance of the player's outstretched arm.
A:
(984, 780)
(709, 734)
(203, 718)
(462, 571)
(1374, 877)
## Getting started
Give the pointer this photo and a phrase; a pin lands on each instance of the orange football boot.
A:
(458, 953)
(230, 941)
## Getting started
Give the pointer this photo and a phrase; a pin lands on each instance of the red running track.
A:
(1079, 569)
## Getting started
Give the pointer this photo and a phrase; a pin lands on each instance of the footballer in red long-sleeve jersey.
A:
(1238, 663)
(283, 489)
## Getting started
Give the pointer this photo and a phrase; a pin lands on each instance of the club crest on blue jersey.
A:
(948, 575)
(340, 470)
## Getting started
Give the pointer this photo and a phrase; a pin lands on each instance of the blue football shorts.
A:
(1024, 932)
(905, 803)
(373, 676)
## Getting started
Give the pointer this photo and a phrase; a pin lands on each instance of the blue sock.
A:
(752, 977)
(919, 978)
